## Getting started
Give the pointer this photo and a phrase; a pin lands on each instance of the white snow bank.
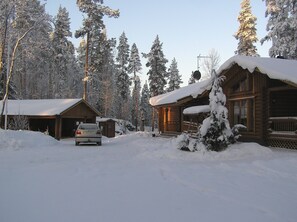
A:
(193, 90)
(137, 177)
(25, 139)
(282, 69)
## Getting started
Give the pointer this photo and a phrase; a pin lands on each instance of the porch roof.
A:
(281, 69)
(194, 110)
(193, 90)
(40, 107)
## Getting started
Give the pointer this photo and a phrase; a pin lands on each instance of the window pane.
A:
(236, 112)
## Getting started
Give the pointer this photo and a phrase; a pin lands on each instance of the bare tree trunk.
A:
(10, 71)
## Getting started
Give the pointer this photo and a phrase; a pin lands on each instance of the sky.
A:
(186, 28)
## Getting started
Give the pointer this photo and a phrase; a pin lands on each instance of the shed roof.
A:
(103, 119)
(40, 107)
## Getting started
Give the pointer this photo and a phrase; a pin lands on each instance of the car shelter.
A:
(58, 117)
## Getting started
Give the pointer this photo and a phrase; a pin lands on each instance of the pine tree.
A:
(157, 68)
(157, 71)
(93, 27)
(215, 131)
(282, 28)
(134, 67)
(174, 77)
(247, 32)
(136, 102)
(123, 81)
(63, 54)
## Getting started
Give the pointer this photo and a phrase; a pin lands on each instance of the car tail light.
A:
(78, 132)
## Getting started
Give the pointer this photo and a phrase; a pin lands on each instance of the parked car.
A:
(88, 133)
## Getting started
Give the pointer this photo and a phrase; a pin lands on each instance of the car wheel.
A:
(99, 143)
(76, 143)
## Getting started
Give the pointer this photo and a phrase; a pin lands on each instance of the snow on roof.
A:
(281, 69)
(193, 90)
(196, 110)
(39, 107)
(104, 119)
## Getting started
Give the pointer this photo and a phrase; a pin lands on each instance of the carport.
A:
(58, 117)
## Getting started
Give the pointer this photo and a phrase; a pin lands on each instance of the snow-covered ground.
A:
(139, 178)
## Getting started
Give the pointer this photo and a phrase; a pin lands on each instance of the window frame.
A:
(250, 112)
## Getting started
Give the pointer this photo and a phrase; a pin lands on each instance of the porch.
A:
(282, 132)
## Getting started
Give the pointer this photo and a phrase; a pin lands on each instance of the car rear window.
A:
(88, 127)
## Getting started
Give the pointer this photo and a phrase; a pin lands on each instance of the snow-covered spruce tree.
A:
(247, 32)
(157, 73)
(122, 78)
(174, 77)
(63, 54)
(123, 81)
(215, 131)
(282, 28)
(145, 107)
(134, 67)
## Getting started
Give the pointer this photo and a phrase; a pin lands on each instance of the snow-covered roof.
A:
(39, 107)
(193, 90)
(194, 110)
(281, 69)
(103, 119)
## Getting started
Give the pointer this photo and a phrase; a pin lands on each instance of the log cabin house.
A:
(261, 94)
(58, 117)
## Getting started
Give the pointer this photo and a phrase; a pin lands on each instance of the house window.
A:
(242, 85)
(243, 113)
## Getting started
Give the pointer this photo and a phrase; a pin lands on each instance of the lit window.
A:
(243, 113)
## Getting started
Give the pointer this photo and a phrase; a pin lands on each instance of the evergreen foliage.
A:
(247, 32)
(282, 28)
(215, 131)
(63, 56)
(145, 107)
(134, 67)
(157, 68)
(123, 80)
(174, 77)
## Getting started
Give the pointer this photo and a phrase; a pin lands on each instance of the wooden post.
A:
(58, 127)
(153, 120)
